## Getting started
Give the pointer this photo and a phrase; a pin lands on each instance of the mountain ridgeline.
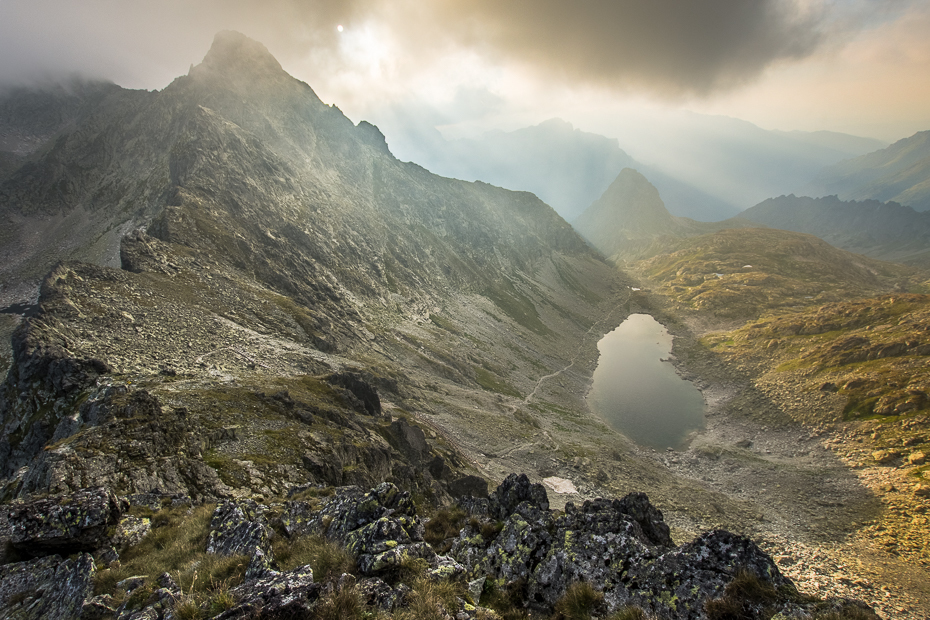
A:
(269, 213)
(899, 173)
(887, 231)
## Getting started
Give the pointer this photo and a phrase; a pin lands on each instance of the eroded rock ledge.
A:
(611, 557)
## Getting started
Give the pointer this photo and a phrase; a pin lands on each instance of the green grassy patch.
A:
(493, 383)
(517, 306)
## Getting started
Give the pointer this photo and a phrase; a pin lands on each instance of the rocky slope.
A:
(352, 554)
(285, 244)
(742, 273)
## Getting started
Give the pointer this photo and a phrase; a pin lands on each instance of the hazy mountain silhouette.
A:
(899, 173)
(888, 231)
(706, 167)
(630, 220)
(566, 167)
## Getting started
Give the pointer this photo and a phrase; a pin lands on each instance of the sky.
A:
(465, 66)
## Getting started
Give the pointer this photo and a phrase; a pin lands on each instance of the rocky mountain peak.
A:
(630, 209)
(234, 52)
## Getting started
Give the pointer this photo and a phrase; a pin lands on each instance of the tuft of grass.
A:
(342, 604)
(177, 545)
(187, 608)
(508, 601)
(444, 524)
(489, 531)
(313, 493)
(409, 570)
(432, 600)
(745, 592)
(328, 559)
(578, 602)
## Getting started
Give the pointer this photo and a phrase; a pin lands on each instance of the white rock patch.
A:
(560, 485)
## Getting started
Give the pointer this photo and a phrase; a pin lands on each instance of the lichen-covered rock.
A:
(514, 490)
(387, 543)
(679, 582)
(597, 544)
(48, 587)
(289, 594)
(260, 566)
(350, 509)
(159, 605)
(445, 568)
(622, 547)
(296, 518)
(64, 524)
(520, 546)
(376, 593)
(647, 517)
(157, 501)
(474, 506)
(239, 528)
(130, 531)
(98, 608)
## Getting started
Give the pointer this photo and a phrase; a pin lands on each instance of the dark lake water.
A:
(640, 395)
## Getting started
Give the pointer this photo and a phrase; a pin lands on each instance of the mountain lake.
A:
(639, 393)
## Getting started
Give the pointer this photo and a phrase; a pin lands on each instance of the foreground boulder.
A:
(65, 524)
(48, 587)
(621, 547)
(276, 595)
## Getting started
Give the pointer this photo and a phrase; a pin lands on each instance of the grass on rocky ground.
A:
(176, 545)
(443, 525)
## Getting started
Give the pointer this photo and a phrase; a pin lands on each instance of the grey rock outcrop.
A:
(49, 587)
(622, 547)
(238, 528)
(65, 524)
(514, 490)
(278, 595)
(350, 508)
(387, 543)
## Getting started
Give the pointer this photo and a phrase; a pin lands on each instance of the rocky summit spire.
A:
(233, 52)
(630, 209)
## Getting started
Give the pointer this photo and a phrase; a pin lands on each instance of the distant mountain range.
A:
(566, 167)
(899, 173)
(630, 221)
(706, 168)
(888, 231)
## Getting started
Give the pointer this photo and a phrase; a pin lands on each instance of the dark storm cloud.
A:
(671, 46)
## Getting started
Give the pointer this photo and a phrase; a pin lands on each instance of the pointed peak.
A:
(234, 51)
(629, 176)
